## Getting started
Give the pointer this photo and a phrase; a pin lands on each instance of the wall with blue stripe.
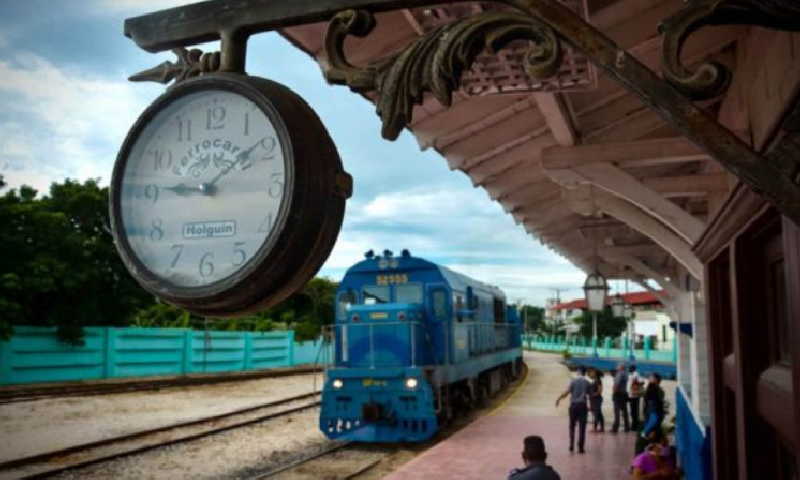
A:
(694, 444)
(34, 354)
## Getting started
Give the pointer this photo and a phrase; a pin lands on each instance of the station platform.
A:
(490, 447)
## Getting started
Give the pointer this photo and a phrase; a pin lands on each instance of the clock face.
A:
(203, 188)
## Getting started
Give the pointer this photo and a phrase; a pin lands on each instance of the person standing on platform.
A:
(637, 389)
(578, 390)
(620, 398)
(653, 404)
(534, 457)
(596, 399)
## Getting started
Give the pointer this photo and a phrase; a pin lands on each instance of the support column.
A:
(701, 395)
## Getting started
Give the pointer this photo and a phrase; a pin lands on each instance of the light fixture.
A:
(618, 305)
(411, 383)
(337, 383)
(595, 289)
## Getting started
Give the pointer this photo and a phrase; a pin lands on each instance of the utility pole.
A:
(554, 318)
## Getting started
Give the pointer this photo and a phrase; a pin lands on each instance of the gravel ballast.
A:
(39, 426)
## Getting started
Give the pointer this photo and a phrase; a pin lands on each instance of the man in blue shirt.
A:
(578, 390)
(534, 456)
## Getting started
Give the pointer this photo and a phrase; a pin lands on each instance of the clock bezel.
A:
(277, 268)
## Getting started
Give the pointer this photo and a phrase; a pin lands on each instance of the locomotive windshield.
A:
(376, 294)
(409, 293)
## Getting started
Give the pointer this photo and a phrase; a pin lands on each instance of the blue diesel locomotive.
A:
(414, 342)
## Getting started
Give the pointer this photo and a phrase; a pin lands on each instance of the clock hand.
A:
(242, 156)
(184, 190)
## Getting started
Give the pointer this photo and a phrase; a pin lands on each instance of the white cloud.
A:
(73, 122)
(422, 203)
(460, 229)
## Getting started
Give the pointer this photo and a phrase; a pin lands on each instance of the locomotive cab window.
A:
(376, 294)
(345, 300)
(439, 302)
(408, 293)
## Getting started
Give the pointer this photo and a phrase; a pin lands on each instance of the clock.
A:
(227, 195)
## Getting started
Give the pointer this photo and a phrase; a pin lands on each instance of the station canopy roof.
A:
(557, 154)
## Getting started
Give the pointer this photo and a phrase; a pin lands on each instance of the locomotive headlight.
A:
(337, 383)
(411, 383)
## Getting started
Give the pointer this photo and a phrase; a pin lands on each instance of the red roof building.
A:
(636, 299)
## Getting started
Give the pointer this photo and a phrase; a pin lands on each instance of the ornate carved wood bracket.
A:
(436, 61)
(712, 79)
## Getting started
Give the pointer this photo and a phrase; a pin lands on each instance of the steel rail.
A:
(83, 448)
(295, 463)
(12, 395)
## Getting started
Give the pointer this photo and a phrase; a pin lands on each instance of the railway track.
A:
(339, 460)
(39, 392)
(79, 456)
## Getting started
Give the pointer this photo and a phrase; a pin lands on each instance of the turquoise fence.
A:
(34, 354)
(583, 347)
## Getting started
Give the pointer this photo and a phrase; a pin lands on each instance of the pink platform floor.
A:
(490, 447)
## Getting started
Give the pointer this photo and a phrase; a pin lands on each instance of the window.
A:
(408, 293)
(439, 304)
(345, 300)
(374, 294)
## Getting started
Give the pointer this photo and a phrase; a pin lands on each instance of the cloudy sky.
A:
(65, 107)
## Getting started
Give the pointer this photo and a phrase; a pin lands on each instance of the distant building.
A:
(650, 317)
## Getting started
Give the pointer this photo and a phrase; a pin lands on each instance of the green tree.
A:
(60, 267)
(305, 312)
(607, 324)
(533, 318)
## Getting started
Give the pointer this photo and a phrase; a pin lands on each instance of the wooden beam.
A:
(688, 185)
(527, 155)
(513, 179)
(543, 214)
(521, 146)
(620, 183)
(624, 154)
(649, 226)
(530, 194)
(633, 126)
(645, 270)
(558, 117)
(522, 107)
(641, 250)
